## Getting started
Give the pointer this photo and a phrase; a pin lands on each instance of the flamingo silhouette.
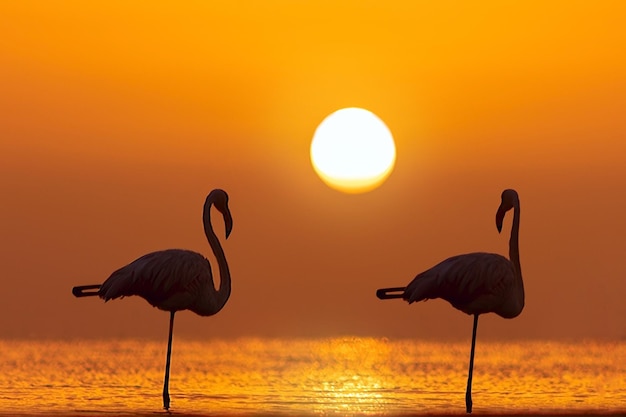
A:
(174, 279)
(475, 283)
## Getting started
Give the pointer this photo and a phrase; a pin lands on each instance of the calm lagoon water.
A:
(338, 376)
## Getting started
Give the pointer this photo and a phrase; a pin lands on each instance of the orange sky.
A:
(117, 118)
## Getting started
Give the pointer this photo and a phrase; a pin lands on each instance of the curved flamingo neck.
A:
(514, 240)
(222, 294)
(514, 257)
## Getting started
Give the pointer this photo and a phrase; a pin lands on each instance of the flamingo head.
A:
(219, 199)
(510, 199)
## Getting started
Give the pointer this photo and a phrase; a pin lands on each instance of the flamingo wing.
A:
(169, 279)
(474, 283)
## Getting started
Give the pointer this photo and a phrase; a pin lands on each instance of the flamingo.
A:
(174, 279)
(475, 283)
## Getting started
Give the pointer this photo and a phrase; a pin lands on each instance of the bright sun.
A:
(353, 150)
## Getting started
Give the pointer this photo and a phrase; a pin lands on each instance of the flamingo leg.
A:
(166, 384)
(468, 392)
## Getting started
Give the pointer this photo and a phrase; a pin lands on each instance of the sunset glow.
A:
(117, 118)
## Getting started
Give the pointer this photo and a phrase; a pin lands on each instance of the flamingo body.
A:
(475, 283)
(171, 280)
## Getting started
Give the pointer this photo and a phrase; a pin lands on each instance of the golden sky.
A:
(117, 118)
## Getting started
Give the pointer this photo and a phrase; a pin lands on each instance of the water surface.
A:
(339, 376)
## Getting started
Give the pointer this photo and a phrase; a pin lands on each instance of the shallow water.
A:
(342, 376)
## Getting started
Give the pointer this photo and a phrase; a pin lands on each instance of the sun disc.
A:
(353, 150)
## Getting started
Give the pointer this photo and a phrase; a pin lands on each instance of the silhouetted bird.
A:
(475, 283)
(174, 279)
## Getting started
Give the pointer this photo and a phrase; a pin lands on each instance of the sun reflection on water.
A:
(343, 376)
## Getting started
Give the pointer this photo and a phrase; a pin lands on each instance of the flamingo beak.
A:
(228, 221)
(500, 217)
(222, 207)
